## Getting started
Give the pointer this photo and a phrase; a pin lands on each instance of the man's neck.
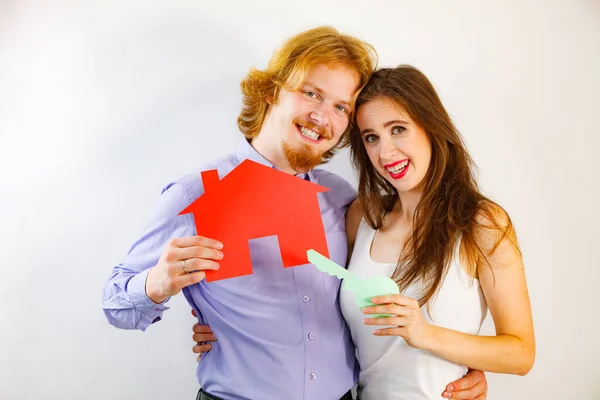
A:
(274, 155)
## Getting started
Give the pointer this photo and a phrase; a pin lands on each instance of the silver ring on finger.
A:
(183, 266)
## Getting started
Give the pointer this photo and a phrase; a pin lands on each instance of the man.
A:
(280, 330)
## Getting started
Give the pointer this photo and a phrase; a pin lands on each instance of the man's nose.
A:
(320, 115)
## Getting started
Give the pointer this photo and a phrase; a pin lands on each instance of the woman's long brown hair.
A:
(451, 208)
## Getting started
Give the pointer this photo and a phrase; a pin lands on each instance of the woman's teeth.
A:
(398, 167)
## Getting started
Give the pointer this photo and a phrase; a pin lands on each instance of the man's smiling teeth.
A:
(309, 133)
(398, 167)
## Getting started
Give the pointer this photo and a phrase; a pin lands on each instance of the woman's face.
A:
(398, 148)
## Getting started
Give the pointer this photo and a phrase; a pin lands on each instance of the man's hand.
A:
(472, 386)
(202, 334)
(182, 264)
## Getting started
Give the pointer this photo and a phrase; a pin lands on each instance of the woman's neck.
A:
(406, 205)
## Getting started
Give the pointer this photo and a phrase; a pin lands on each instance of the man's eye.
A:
(342, 109)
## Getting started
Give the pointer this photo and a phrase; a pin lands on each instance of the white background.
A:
(104, 102)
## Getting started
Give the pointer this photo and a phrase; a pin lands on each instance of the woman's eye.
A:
(398, 129)
(370, 138)
(311, 94)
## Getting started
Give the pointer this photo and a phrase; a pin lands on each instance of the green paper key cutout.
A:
(364, 288)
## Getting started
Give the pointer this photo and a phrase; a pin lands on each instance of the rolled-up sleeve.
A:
(125, 302)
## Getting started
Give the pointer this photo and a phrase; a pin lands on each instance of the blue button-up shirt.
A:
(280, 331)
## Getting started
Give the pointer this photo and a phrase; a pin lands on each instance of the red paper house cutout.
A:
(254, 201)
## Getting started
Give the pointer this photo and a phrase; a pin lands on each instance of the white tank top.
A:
(391, 369)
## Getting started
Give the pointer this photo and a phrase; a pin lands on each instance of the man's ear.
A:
(272, 98)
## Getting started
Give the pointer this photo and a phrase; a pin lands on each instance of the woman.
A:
(420, 219)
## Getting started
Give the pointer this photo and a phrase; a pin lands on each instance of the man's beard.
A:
(301, 159)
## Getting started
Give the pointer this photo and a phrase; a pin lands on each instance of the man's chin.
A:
(301, 158)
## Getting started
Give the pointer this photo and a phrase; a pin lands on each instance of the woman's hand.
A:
(202, 335)
(406, 319)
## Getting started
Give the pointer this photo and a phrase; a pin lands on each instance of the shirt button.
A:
(312, 376)
(305, 299)
(311, 336)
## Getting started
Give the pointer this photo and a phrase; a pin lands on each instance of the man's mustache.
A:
(321, 130)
